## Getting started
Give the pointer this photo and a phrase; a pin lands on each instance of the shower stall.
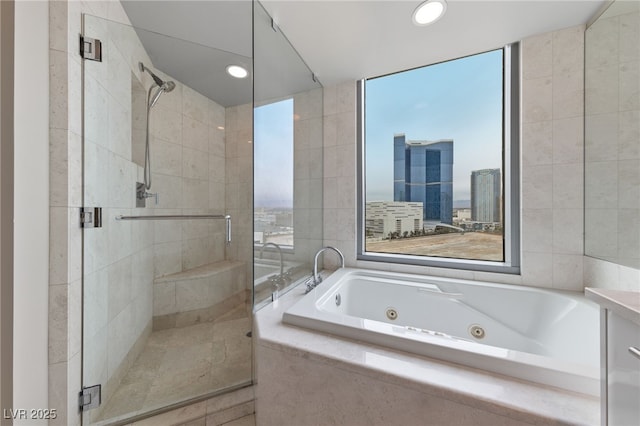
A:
(170, 231)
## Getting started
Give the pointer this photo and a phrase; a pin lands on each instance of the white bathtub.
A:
(533, 334)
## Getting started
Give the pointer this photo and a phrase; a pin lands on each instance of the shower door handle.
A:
(227, 223)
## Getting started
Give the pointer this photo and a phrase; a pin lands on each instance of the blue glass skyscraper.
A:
(423, 172)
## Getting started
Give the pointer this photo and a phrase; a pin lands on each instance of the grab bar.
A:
(439, 292)
(227, 219)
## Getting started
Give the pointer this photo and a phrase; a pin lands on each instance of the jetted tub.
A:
(544, 336)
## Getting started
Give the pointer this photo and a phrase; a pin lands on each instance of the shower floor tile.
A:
(181, 363)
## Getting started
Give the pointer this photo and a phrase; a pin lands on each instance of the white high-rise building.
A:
(384, 217)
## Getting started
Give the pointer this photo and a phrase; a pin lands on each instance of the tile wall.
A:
(612, 114)
(188, 173)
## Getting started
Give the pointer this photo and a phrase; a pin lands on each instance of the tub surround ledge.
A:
(356, 380)
(624, 303)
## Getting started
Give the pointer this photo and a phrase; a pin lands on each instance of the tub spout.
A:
(317, 279)
(279, 252)
(279, 280)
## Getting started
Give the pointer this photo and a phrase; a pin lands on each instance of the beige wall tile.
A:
(120, 126)
(568, 186)
(629, 135)
(603, 229)
(601, 90)
(568, 95)
(602, 180)
(195, 105)
(568, 51)
(537, 230)
(120, 337)
(119, 288)
(537, 187)
(629, 27)
(537, 143)
(601, 137)
(568, 231)
(537, 100)
(164, 298)
(628, 244)
(167, 258)
(195, 134)
(193, 294)
(568, 140)
(195, 164)
(537, 269)
(567, 272)
(166, 124)
(537, 56)
(602, 38)
(629, 89)
(629, 185)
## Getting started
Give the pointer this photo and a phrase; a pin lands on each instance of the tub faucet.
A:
(317, 279)
(279, 251)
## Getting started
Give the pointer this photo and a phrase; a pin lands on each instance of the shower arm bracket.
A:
(142, 195)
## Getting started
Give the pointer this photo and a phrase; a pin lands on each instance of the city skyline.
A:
(459, 100)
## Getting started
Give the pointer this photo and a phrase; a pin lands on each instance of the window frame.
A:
(511, 181)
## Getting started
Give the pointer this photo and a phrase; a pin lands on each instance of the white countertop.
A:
(624, 303)
(502, 395)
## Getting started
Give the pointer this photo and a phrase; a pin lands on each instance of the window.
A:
(439, 164)
(273, 174)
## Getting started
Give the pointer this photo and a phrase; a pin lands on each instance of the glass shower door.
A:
(166, 299)
(288, 174)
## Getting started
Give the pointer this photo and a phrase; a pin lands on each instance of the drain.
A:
(476, 331)
(338, 299)
(392, 314)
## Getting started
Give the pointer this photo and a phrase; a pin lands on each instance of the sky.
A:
(273, 154)
(459, 100)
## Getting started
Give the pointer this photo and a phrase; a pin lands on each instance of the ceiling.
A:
(194, 42)
(343, 40)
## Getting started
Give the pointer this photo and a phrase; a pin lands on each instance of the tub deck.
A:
(308, 370)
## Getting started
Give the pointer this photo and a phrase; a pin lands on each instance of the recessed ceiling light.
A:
(237, 71)
(429, 12)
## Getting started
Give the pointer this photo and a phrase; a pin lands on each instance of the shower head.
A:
(166, 87)
(163, 86)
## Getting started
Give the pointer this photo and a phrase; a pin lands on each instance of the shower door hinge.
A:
(91, 48)
(91, 217)
(90, 397)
